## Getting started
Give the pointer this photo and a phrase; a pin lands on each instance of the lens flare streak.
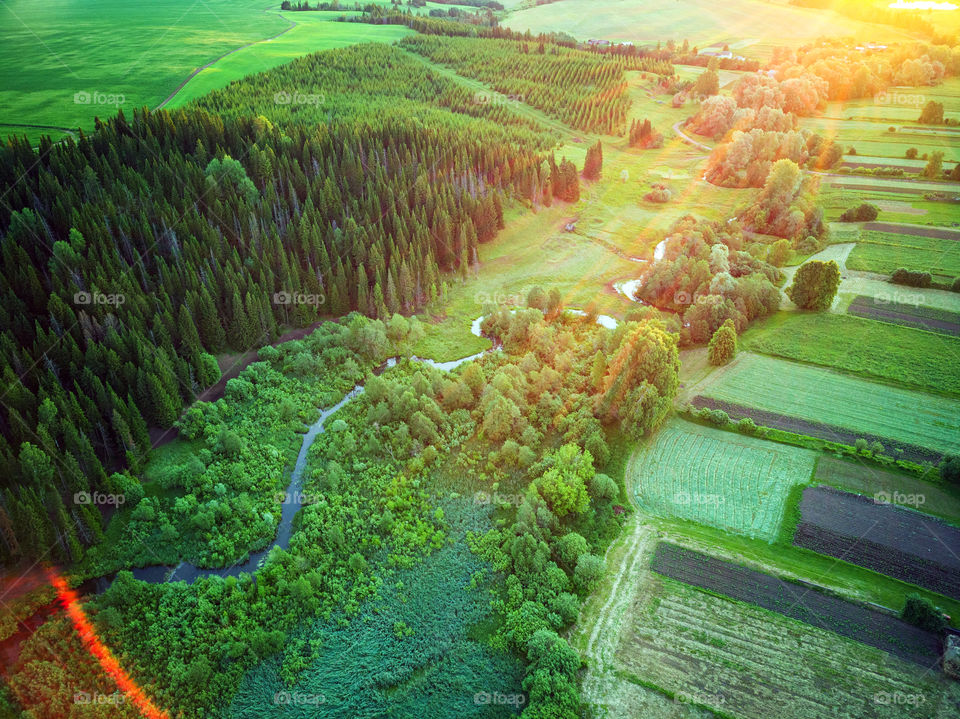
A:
(99, 651)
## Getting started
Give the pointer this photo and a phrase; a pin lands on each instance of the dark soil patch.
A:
(890, 539)
(926, 318)
(803, 603)
(934, 232)
(820, 430)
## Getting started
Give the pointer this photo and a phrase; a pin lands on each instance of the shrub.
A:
(955, 287)
(719, 417)
(747, 426)
(950, 469)
(723, 344)
(922, 613)
(659, 193)
(815, 285)
(864, 212)
(779, 252)
(911, 278)
(911, 153)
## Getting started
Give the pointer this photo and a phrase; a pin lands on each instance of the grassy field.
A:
(884, 252)
(128, 56)
(314, 31)
(719, 478)
(51, 51)
(821, 395)
(875, 350)
(742, 22)
(895, 204)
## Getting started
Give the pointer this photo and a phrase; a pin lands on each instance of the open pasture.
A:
(884, 252)
(885, 352)
(719, 478)
(820, 395)
(906, 315)
(879, 534)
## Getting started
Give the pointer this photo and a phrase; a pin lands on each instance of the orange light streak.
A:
(99, 651)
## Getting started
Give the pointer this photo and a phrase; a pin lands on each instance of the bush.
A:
(955, 287)
(950, 469)
(862, 213)
(815, 285)
(779, 252)
(659, 193)
(911, 153)
(718, 417)
(911, 278)
(747, 426)
(723, 344)
(922, 613)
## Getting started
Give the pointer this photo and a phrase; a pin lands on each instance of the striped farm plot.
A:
(729, 481)
(740, 660)
(853, 407)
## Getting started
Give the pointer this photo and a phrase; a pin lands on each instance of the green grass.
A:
(726, 480)
(143, 52)
(884, 252)
(940, 500)
(821, 395)
(875, 350)
(314, 31)
(52, 50)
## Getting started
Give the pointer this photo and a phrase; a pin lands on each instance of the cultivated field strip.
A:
(746, 662)
(901, 229)
(898, 542)
(853, 406)
(796, 601)
(735, 483)
(906, 315)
